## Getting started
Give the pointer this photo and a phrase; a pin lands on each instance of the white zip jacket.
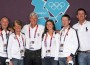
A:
(70, 42)
(31, 33)
(54, 49)
(13, 46)
(3, 42)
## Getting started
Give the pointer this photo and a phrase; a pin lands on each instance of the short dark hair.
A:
(66, 15)
(81, 9)
(18, 22)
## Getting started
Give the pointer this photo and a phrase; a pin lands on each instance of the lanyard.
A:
(65, 35)
(2, 37)
(34, 33)
(19, 41)
(6, 36)
(45, 42)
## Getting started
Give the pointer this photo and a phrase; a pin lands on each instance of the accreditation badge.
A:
(38, 34)
(5, 47)
(48, 52)
(61, 49)
(32, 42)
(22, 53)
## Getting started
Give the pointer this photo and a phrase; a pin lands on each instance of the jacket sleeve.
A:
(74, 43)
(43, 51)
(57, 38)
(9, 48)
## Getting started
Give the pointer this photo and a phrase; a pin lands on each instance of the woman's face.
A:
(49, 25)
(4, 23)
(17, 28)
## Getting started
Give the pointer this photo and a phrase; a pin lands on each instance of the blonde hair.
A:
(33, 14)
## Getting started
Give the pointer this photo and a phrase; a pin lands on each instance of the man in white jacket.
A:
(68, 42)
(33, 33)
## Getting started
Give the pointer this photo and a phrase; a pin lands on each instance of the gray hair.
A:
(33, 14)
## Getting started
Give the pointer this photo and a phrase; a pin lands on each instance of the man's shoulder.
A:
(75, 25)
(72, 29)
(12, 35)
(40, 26)
(88, 22)
(26, 25)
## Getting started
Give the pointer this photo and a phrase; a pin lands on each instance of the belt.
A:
(35, 51)
(85, 51)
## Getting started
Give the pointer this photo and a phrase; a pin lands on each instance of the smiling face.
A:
(49, 25)
(17, 27)
(33, 20)
(81, 16)
(4, 23)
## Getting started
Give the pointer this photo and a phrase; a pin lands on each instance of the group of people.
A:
(34, 44)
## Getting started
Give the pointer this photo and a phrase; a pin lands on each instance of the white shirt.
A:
(33, 35)
(84, 35)
(15, 45)
(70, 43)
(3, 43)
(54, 48)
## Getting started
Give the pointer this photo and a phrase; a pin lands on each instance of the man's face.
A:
(33, 20)
(81, 16)
(65, 21)
(4, 23)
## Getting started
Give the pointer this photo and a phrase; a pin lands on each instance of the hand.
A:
(69, 58)
(10, 63)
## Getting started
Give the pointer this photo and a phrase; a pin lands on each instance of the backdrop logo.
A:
(50, 9)
(56, 5)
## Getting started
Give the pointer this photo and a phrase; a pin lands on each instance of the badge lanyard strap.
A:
(34, 33)
(65, 35)
(2, 36)
(19, 41)
(46, 42)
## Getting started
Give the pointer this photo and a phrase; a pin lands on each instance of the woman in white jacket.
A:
(4, 35)
(16, 45)
(50, 44)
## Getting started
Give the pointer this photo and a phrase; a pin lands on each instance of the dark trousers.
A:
(63, 61)
(49, 61)
(17, 61)
(2, 60)
(32, 57)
